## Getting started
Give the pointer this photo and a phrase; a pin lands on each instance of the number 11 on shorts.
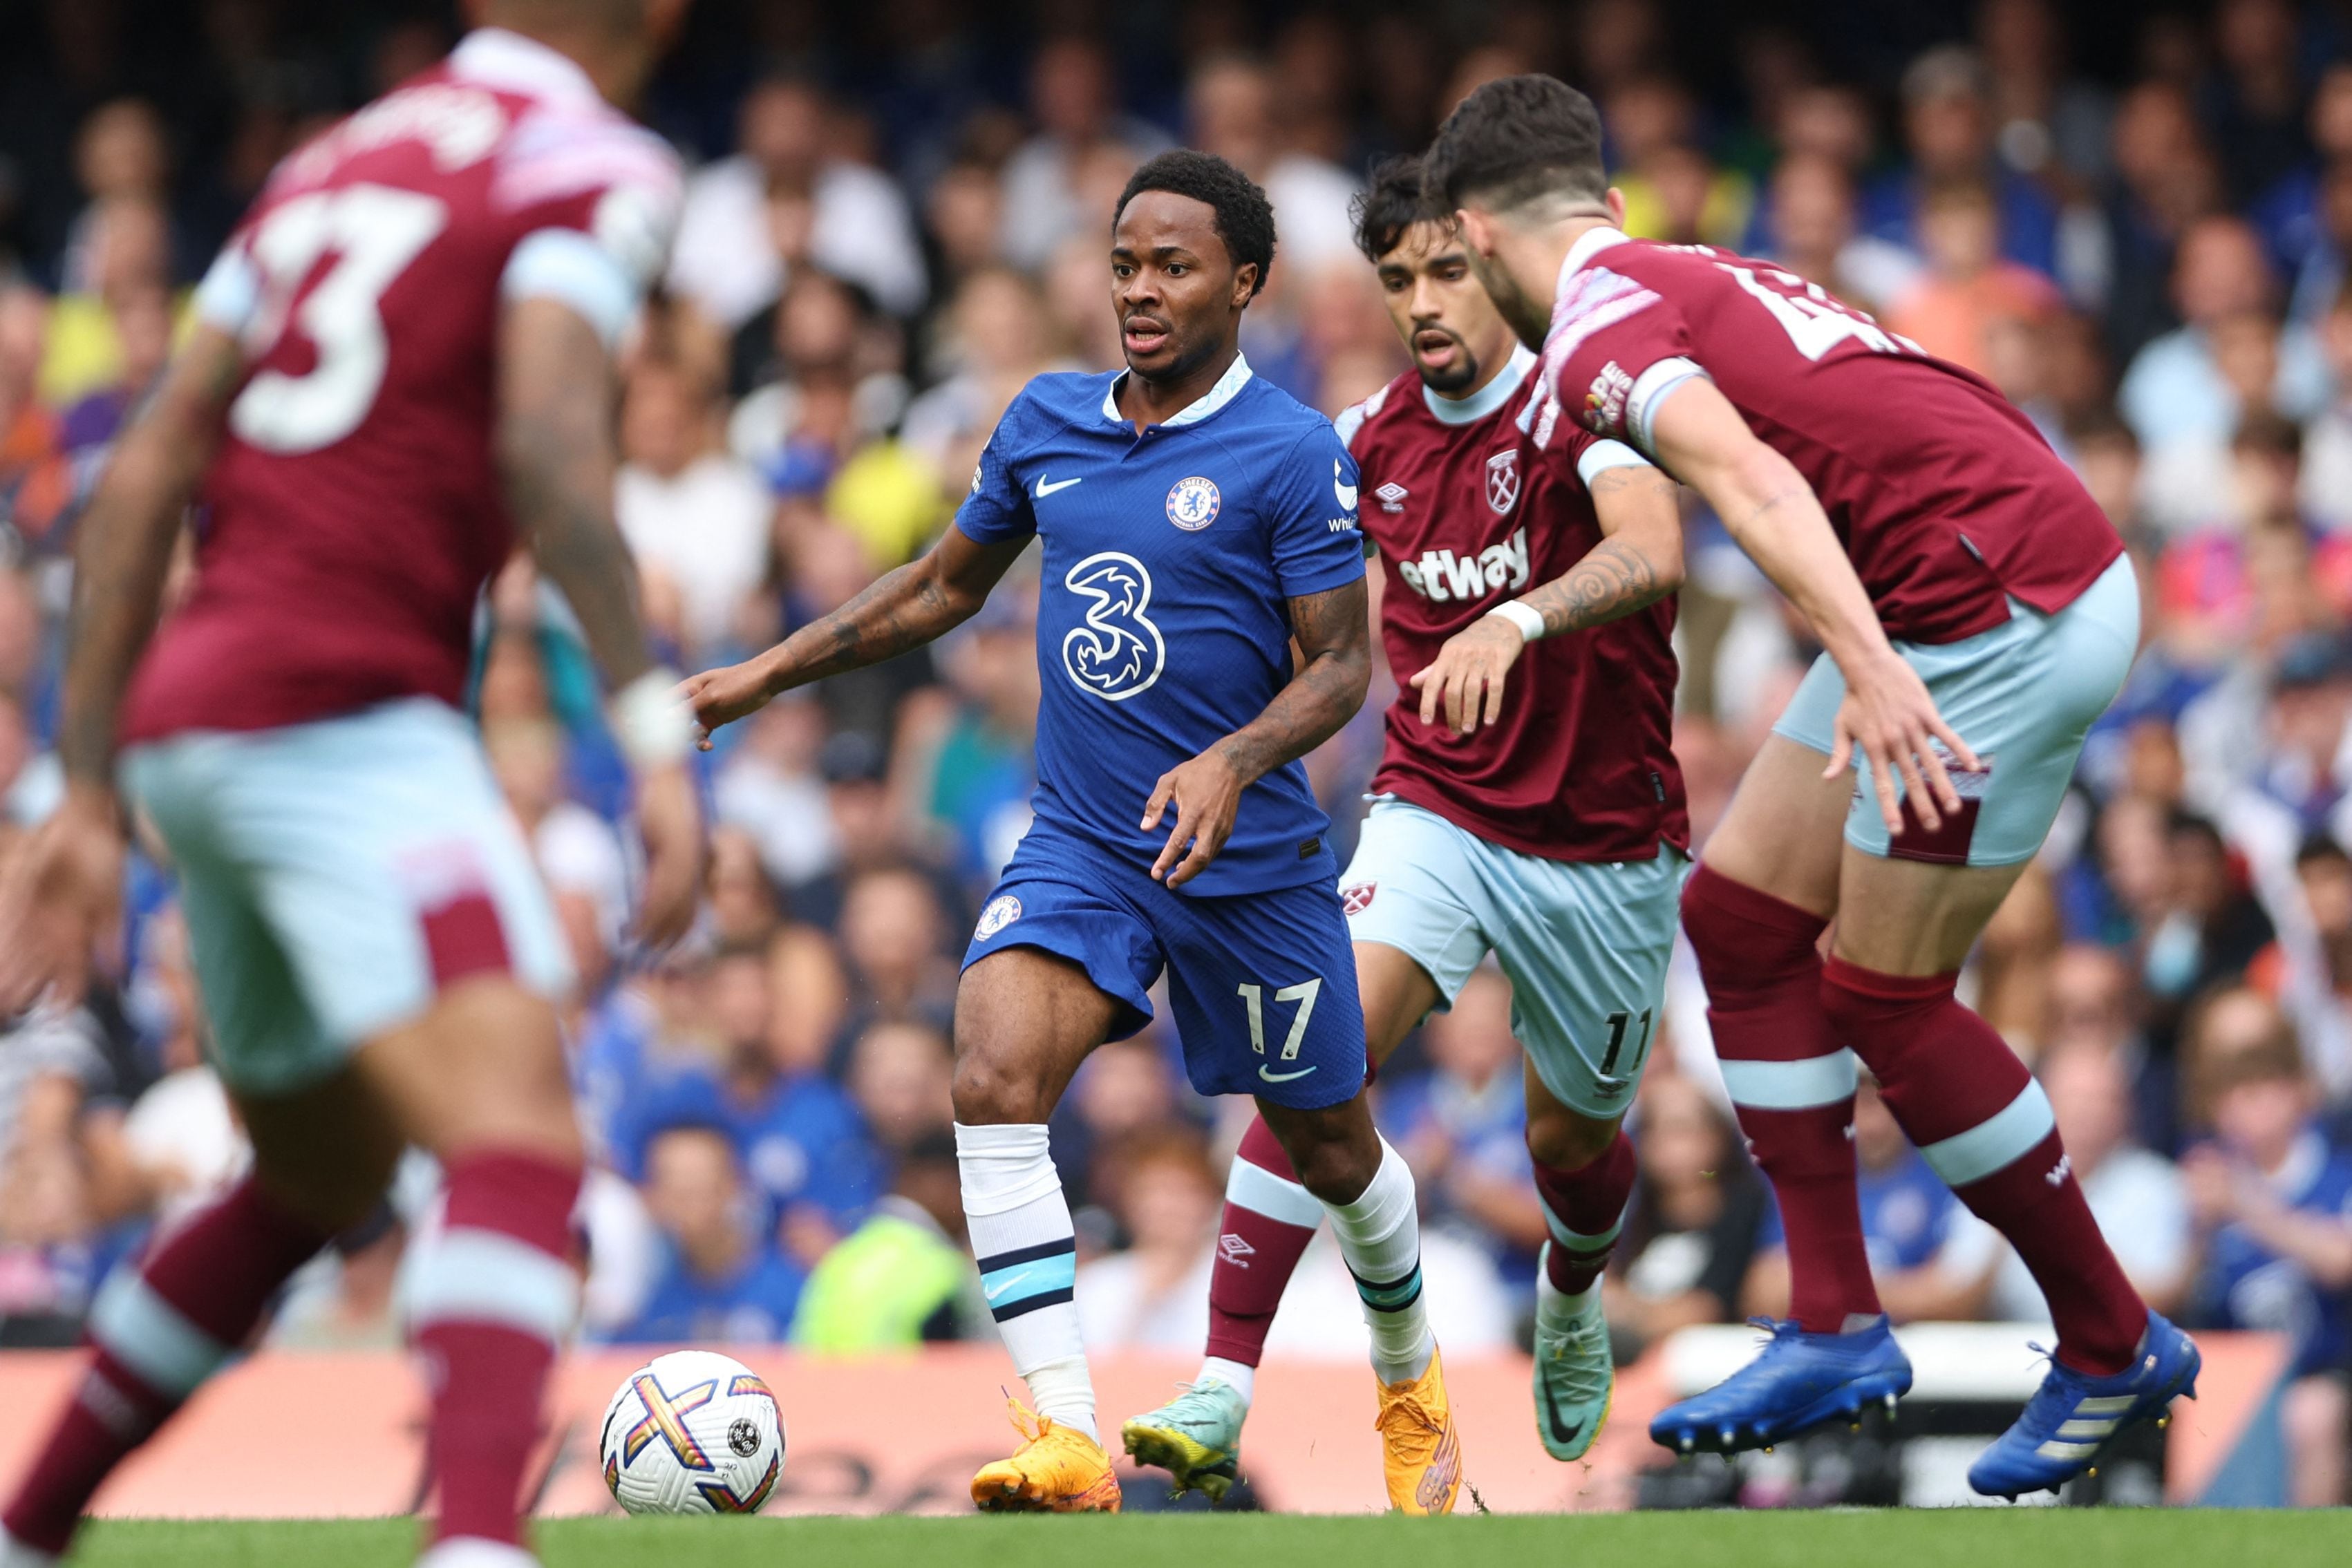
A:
(1254, 997)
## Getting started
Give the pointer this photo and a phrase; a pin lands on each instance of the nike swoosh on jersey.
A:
(1043, 489)
(1347, 493)
(1283, 1077)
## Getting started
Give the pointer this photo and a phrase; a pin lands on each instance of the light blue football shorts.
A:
(1583, 943)
(2022, 695)
(336, 874)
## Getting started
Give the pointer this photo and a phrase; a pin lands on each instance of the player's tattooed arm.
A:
(903, 610)
(1637, 562)
(124, 546)
(1335, 670)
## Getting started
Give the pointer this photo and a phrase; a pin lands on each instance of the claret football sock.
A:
(1790, 1083)
(1028, 1253)
(496, 1293)
(1268, 1220)
(1380, 1235)
(1583, 1209)
(1984, 1125)
(157, 1331)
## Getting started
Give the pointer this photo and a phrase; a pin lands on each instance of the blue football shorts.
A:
(1262, 984)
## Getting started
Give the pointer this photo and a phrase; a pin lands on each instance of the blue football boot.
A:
(1799, 1381)
(2074, 1418)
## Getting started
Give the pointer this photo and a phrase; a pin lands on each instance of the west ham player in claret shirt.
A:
(1546, 828)
(1979, 614)
(401, 367)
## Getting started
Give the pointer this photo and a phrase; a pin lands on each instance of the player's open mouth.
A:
(1142, 334)
(1434, 348)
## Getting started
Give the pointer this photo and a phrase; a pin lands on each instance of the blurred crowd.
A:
(881, 242)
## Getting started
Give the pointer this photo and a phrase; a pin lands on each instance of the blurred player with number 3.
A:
(402, 366)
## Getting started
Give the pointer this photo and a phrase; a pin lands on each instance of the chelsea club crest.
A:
(1193, 504)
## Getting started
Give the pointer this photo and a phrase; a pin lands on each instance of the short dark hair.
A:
(1517, 138)
(1244, 217)
(1392, 201)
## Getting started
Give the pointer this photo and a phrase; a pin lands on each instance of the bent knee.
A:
(1742, 937)
(1560, 1138)
(988, 1091)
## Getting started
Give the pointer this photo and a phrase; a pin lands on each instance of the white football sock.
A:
(1242, 1380)
(1021, 1233)
(1380, 1235)
(1556, 1310)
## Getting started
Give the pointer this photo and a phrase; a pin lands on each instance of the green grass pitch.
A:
(1968, 1538)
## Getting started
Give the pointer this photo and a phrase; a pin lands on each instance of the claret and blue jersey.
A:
(1164, 622)
(1163, 625)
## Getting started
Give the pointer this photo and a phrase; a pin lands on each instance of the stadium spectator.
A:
(2271, 1202)
(721, 1280)
(1072, 103)
(2179, 393)
(692, 512)
(1948, 129)
(727, 259)
(903, 1278)
(1952, 307)
(803, 1148)
(1232, 110)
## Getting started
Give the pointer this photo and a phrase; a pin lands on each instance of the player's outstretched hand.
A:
(56, 898)
(721, 696)
(1206, 793)
(1465, 679)
(1890, 720)
(669, 819)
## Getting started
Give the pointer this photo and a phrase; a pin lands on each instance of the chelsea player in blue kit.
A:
(1195, 522)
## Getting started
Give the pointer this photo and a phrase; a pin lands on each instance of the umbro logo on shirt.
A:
(1390, 496)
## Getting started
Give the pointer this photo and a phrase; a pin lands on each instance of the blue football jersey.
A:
(1163, 620)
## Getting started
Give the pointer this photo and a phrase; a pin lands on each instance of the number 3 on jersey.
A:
(373, 233)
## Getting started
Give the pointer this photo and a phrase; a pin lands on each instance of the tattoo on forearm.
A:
(1778, 498)
(1612, 581)
(900, 611)
(1333, 633)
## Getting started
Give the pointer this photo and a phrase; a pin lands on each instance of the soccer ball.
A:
(692, 1432)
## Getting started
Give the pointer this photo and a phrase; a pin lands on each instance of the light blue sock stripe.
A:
(1390, 1298)
(1016, 1282)
(2007, 1136)
(147, 1334)
(1575, 1241)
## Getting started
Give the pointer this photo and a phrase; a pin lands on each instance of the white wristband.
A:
(1530, 624)
(653, 726)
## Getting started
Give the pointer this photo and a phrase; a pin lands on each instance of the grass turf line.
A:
(1957, 1538)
